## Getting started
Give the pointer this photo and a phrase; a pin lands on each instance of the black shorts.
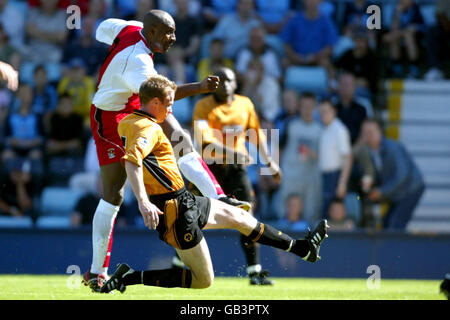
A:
(184, 217)
(234, 180)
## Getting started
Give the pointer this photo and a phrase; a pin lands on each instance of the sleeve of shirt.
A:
(138, 69)
(138, 143)
(108, 30)
(203, 133)
(344, 144)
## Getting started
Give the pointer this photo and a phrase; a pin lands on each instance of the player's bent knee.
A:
(205, 281)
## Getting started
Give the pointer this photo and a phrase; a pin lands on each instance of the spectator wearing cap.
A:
(335, 155)
(215, 60)
(398, 179)
(80, 87)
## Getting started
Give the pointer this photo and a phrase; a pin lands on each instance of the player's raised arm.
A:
(108, 30)
(209, 84)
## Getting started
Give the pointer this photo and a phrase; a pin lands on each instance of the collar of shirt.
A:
(147, 46)
(145, 114)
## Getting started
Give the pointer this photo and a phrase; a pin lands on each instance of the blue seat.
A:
(50, 222)
(15, 222)
(58, 201)
(303, 79)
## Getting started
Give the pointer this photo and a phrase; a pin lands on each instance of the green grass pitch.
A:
(56, 287)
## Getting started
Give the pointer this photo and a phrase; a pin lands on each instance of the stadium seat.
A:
(342, 46)
(84, 181)
(53, 222)
(58, 201)
(15, 222)
(429, 14)
(353, 207)
(306, 79)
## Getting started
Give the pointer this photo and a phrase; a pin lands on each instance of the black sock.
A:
(270, 236)
(251, 250)
(167, 278)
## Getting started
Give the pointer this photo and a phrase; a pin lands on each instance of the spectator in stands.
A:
(85, 47)
(293, 215)
(235, 28)
(438, 47)
(335, 155)
(355, 15)
(309, 37)
(263, 90)
(214, 10)
(288, 112)
(274, 14)
(80, 87)
(23, 134)
(362, 62)
(16, 192)
(300, 160)
(258, 49)
(350, 112)
(8, 53)
(13, 21)
(65, 132)
(44, 94)
(47, 31)
(187, 31)
(337, 217)
(142, 7)
(398, 179)
(214, 60)
(407, 23)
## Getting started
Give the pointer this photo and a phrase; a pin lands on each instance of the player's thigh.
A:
(114, 177)
(224, 216)
(198, 260)
(179, 138)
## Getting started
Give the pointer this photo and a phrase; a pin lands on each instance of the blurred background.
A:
(340, 93)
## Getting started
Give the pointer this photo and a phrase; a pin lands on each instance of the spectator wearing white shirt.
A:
(13, 21)
(335, 158)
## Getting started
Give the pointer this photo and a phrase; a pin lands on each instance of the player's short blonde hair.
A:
(155, 87)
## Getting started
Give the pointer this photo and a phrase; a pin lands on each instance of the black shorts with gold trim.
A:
(184, 217)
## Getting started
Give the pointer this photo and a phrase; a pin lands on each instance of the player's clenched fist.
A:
(150, 213)
(210, 83)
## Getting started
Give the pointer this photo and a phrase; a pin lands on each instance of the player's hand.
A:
(276, 170)
(209, 84)
(150, 213)
(10, 75)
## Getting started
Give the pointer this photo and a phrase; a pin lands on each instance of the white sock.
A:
(255, 268)
(193, 168)
(102, 224)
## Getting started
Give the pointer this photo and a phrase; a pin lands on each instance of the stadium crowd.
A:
(312, 68)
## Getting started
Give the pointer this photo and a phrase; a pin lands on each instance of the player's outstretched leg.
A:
(199, 275)
(223, 216)
(113, 177)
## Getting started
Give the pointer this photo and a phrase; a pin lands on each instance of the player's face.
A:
(160, 109)
(227, 84)
(164, 38)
